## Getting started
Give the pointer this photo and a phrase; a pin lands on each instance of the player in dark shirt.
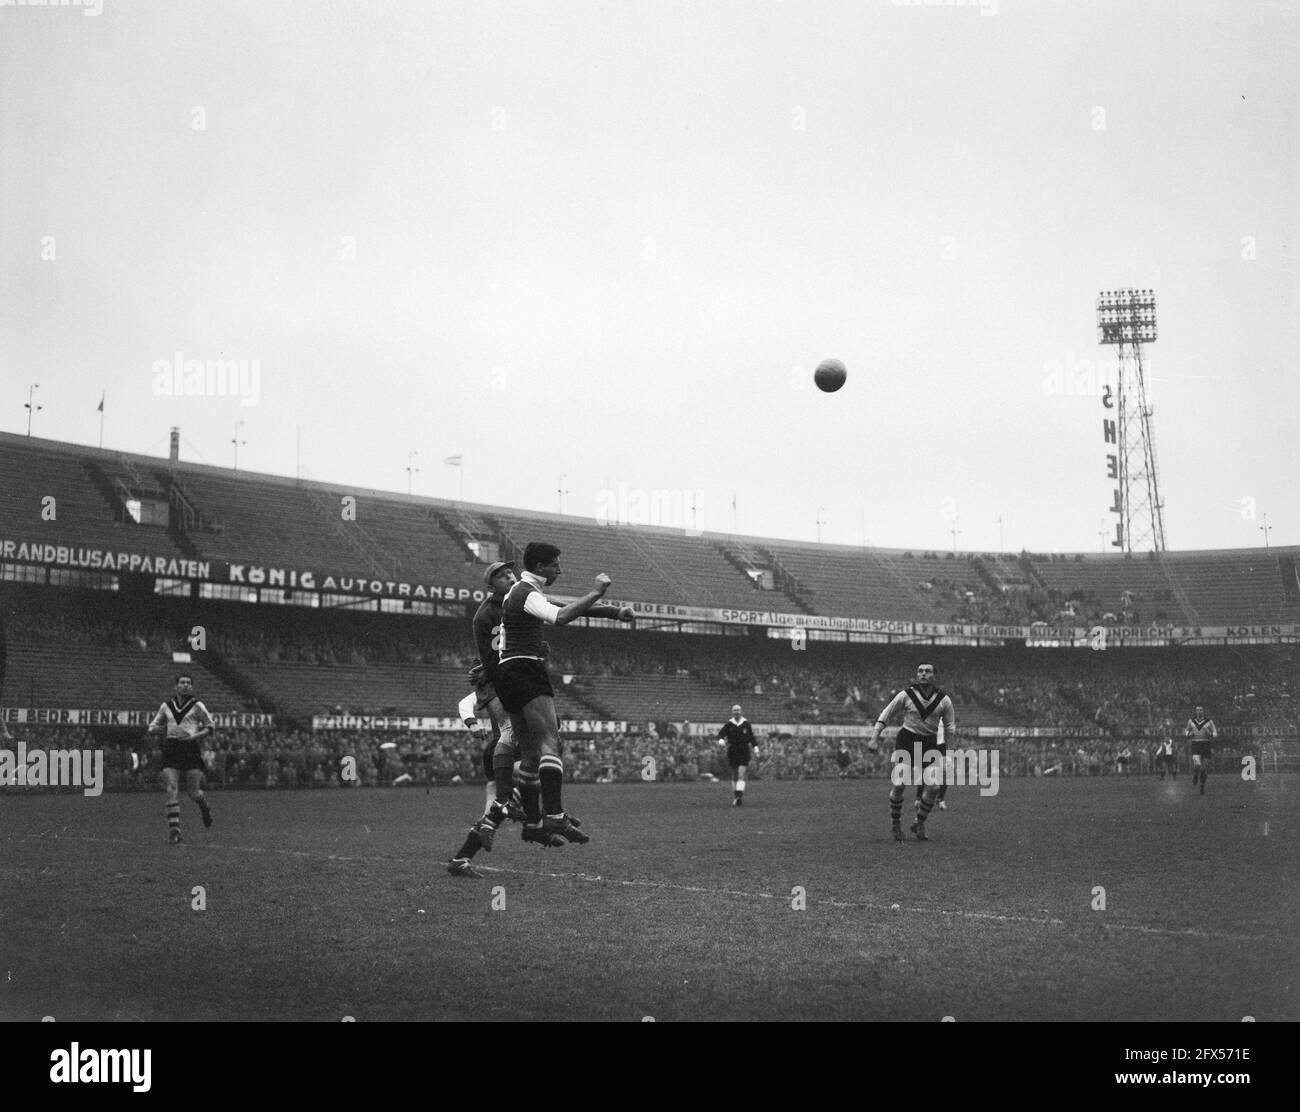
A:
(501, 748)
(525, 688)
(738, 736)
(843, 758)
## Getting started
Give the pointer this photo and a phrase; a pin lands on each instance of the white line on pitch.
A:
(981, 916)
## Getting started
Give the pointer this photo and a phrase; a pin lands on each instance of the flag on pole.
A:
(100, 407)
(454, 461)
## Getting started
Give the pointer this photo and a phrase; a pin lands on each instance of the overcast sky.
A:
(613, 240)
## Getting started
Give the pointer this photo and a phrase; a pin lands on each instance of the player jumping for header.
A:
(924, 706)
(501, 748)
(1202, 730)
(524, 688)
(184, 722)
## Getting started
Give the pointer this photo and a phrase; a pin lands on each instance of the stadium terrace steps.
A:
(84, 516)
(107, 677)
(848, 581)
(1233, 587)
(260, 519)
(302, 689)
(1221, 587)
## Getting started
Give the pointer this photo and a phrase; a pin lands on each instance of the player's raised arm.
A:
(565, 614)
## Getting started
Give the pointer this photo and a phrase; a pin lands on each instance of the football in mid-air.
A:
(830, 375)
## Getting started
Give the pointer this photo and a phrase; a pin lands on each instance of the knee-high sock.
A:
(173, 814)
(529, 795)
(550, 770)
(896, 794)
(472, 846)
(928, 799)
(503, 774)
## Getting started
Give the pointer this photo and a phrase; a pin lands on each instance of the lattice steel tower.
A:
(1126, 319)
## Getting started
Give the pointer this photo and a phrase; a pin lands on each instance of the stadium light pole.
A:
(237, 442)
(30, 407)
(411, 470)
(1266, 528)
(1002, 542)
(955, 534)
(820, 522)
(561, 492)
(1126, 320)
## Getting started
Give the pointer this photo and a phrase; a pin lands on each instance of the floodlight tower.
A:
(1126, 319)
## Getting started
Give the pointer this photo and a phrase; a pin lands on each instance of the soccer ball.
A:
(830, 375)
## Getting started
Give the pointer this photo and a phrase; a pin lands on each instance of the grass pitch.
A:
(327, 904)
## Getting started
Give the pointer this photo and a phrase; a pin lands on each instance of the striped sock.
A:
(927, 805)
(896, 806)
(529, 787)
(550, 771)
(174, 816)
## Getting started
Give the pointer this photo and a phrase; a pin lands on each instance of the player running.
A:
(924, 706)
(183, 721)
(525, 688)
(501, 748)
(1165, 759)
(738, 736)
(1202, 730)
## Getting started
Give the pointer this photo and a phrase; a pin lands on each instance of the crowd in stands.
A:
(827, 684)
(273, 759)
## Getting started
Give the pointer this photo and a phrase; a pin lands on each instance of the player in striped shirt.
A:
(524, 687)
(183, 722)
(924, 706)
(1202, 730)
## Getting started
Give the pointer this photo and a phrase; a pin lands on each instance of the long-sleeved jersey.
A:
(922, 711)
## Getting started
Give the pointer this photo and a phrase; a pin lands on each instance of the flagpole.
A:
(101, 419)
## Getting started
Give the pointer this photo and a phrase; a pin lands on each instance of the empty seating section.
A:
(94, 677)
(1234, 587)
(702, 576)
(83, 517)
(848, 582)
(588, 549)
(268, 521)
(416, 539)
(265, 520)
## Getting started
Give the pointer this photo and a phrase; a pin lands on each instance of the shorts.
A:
(182, 754)
(738, 760)
(519, 682)
(1201, 749)
(929, 743)
(485, 693)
